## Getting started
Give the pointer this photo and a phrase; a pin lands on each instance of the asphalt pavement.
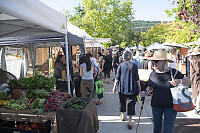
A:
(110, 122)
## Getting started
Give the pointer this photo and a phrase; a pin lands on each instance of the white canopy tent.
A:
(153, 46)
(27, 23)
(97, 40)
(174, 45)
(135, 47)
(77, 31)
(98, 45)
(190, 43)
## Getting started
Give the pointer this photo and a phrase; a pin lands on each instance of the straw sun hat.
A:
(159, 55)
(195, 51)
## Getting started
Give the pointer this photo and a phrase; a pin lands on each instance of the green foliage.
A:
(13, 83)
(170, 32)
(35, 82)
(181, 33)
(17, 104)
(156, 33)
(37, 93)
(38, 106)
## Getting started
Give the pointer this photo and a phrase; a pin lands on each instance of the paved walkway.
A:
(110, 122)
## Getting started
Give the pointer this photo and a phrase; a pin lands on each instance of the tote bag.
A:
(99, 86)
(182, 98)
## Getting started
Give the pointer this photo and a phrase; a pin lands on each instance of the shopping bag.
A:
(99, 86)
(182, 98)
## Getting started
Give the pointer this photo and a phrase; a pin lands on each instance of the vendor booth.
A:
(30, 25)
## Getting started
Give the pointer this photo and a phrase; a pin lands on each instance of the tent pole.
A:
(3, 59)
(33, 60)
(22, 65)
(67, 60)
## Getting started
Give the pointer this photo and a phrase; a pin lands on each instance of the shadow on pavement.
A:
(187, 125)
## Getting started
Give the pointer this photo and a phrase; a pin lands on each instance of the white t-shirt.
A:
(87, 75)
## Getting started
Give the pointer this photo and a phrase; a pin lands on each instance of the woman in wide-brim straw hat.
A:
(195, 77)
(160, 82)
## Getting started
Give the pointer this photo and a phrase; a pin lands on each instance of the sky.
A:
(152, 10)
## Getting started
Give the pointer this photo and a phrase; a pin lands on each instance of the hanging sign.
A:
(13, 51)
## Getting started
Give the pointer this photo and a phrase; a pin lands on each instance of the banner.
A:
(13, 51)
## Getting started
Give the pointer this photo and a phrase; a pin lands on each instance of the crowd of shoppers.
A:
(126, 65)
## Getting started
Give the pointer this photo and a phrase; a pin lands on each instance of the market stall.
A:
(94, 49)
(27, 26)
(31, 25)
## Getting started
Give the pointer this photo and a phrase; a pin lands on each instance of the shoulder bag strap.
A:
(129, 66)
(173, 77)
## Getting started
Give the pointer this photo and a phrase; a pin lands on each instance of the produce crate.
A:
(28, 116)
(78, 121)
(9, 127)
(15, 130)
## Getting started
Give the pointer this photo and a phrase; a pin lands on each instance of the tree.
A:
(106, 19)
(178, 32)
(187, 11)
(156, 33)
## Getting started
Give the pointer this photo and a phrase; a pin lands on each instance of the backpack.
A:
(99, 86)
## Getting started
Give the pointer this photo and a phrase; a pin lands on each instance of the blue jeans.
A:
(169, 119)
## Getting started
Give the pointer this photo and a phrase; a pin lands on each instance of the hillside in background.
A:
(143, 26)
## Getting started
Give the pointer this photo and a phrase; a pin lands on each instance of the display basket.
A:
(78, 121)
(5, 76)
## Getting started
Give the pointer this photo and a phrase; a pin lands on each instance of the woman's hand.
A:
(147, 92)
(175, 82)
(114, 89)
(143, 94)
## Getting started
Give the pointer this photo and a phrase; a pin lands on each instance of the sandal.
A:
(197, 111)
(122, 117)
(130, 125)
(98, 102)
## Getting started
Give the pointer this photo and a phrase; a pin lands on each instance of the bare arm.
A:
(81, 71)
(147, 92)
(139, 85)
(185, 81)
(103, 62)
(95, 72)
(98, 69)
(115, 85)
